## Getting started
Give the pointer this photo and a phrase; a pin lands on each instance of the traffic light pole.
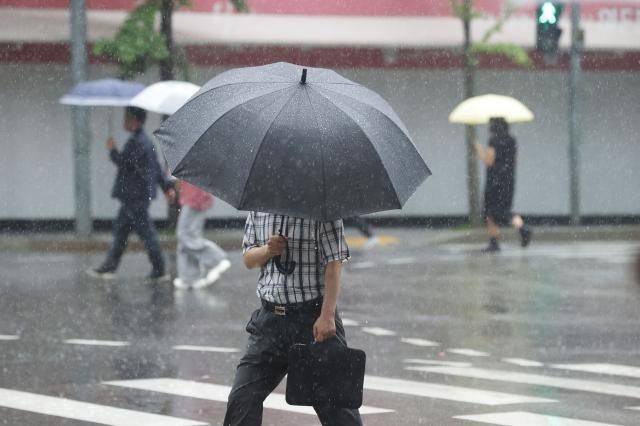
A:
(574, 124)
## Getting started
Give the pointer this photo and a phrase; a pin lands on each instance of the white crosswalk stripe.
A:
(213, 392)
(467, 352)
(205, 349)
(93, 342)
(9, 337)
(536, 379)
(523, 362)
(379, 331)
(85, 411)
(520, 418)
(446, 392)
(602, 368)
(416, 341)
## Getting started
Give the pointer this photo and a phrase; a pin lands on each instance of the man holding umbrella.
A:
(135, 187)
(299, 148)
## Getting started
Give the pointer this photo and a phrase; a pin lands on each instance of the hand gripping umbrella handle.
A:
(288, 267)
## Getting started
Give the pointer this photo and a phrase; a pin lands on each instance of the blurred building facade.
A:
(408, 51)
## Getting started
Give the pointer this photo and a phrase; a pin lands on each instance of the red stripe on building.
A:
(608, 10)
(331, 57)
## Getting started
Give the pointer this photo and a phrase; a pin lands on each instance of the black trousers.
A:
(264, 365)
(134, 217)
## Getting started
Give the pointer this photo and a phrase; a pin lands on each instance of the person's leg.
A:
(147, 232)
(524, 230)
(338, 416)
(122, 227)
(494, 234)
(188, 267)
(260, 370)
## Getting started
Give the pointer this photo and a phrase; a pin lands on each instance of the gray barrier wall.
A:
(36, 159)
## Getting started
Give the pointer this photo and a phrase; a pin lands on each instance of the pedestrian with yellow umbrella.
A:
(500, 160)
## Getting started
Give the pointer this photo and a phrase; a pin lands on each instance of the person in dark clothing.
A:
(135, 186)
(500, 159)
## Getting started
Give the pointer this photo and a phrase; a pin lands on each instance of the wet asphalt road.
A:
(427, 314)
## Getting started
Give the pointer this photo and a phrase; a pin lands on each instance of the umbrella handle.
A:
(110, 123)
(288, 267)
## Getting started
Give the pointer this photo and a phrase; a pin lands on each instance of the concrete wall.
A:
(36, 147)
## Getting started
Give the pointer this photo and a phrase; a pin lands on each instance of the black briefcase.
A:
(326, 374)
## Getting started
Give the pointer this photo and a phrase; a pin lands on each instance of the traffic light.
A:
(548, 32)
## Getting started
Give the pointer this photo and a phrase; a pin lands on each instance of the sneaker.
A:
(157, 278)
(180, 284)
(214, 274)
(101, 273)
(204, 282)
(525, 236)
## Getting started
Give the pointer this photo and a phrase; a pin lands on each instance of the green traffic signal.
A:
(548, 13)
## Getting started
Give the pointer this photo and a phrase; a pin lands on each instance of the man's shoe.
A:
(179, 283)
(525, 236)
(493, 246)
(101, 273)
(214, 274)
(158, 277)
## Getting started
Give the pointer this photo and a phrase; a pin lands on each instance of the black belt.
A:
(286, 309)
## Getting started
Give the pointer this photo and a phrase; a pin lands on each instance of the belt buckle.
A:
(280, 310)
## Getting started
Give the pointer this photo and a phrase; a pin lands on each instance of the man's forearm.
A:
(332, 277)
(256, 257)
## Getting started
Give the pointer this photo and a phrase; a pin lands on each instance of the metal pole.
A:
(80, 120)
(574, 125)
(470, 131)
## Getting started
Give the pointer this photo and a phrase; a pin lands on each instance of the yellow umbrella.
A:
(479, 109)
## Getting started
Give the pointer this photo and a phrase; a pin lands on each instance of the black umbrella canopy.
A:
(293, 140)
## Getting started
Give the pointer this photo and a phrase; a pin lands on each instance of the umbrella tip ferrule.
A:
(303, 80)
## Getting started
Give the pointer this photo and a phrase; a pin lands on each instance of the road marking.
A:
(377, 331)
(205, 348)
(519, 418)
(446, 392)
(349, 322)
(401, 261)
(9, 337)
(362, 265)
(537, 379)
(633, 408)
(84, 411)
(523, 362)
(467, 352)
(219, 393)
(613, 369)
(436, 362)
(91, 342)
(416, 341)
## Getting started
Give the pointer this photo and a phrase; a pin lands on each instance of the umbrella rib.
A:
(377, 154)
(324, 186)
(358, 100)
(240, 82)
(242, 201)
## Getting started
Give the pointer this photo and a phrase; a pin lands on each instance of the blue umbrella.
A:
(109, 92)
(106, 92)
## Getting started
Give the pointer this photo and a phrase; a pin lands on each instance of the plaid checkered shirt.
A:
(311, 245)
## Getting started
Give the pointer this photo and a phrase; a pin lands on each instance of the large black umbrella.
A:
(297, 141)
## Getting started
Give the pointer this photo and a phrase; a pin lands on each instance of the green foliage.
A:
(137, 45)
(463, 9)
(515, 53)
